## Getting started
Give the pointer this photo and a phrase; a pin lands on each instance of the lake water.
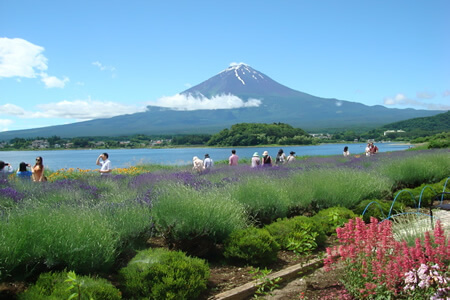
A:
(85, 159)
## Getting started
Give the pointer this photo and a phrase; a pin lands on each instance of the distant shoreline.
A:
(205, 146)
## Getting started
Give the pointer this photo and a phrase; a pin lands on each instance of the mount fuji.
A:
(238, 94)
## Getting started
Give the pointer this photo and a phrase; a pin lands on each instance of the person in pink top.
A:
(233, 160)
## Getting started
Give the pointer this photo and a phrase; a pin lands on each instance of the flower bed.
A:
(88, 224)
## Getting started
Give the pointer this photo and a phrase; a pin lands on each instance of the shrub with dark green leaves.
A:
(333, 217)
(411, 197)
(379, 209)
(163, 274)
(290, 233)
(53, 286)
(252, 245)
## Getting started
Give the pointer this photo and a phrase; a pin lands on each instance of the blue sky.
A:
(69, 61)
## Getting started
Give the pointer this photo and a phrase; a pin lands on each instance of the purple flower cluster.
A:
(69, 184)
(9, 192)
(186, 178)
(148, 197)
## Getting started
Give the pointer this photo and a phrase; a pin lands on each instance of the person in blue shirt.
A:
(23, 172)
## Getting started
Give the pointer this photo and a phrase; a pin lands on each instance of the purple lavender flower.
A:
(9, 192)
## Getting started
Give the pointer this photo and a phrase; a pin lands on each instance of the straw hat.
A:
(265, 153)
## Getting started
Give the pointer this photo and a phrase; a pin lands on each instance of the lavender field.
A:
(82, 222)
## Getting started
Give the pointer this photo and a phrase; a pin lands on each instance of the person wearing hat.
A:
(256, 161)
(208, 163)
(266, 159)
(291, 157)
(5, 169)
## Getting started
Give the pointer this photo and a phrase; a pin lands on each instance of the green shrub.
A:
(291, 233)
(252, 245)
(162, 274)
(264, 199)
(379, 209)
(342, 187)
(428, 192)
(83, 239)
(413, 171)
(333, 217)
(53, 286)
(183, 214)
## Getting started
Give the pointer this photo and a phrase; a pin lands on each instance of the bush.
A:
(300, 234)
(333, 217)
(252, 245)
(53, 286)
(415, 170)
(162, 274)
(183, 214)
(379, 209)
(428, 194)
(265, 199)
(342, 187)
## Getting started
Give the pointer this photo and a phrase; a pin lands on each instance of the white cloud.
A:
(78, 109)
(53, 82)
(105, 68)
(425, 95)
(86, 109)
(191, 102)
(12, 110)
(20, 58)
(446, 93)
(4, 123)
(402, 100)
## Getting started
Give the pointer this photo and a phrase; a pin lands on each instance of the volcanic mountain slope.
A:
(263, 101)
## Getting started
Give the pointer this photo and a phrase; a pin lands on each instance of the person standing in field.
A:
(280, 158)
(256, 161)
(38, 170)
(233, 159)
(105, 164)
(23, 172)
(291, 157)
(208, 163)
(346, 152)
(266, 159)
(197, 164)
(373, 149)
(5, 169)
(367, 149)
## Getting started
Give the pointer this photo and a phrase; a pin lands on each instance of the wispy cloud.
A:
(4, 123)
(78, 109)
(425, 95)
(191, 102)
(402, 100)
(105, 68)
(446, 93)
(20, 58)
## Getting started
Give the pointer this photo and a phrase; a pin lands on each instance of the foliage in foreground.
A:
(162, 274)
(378, 266)
(252, 245)
(299, 234)
(67, 285)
